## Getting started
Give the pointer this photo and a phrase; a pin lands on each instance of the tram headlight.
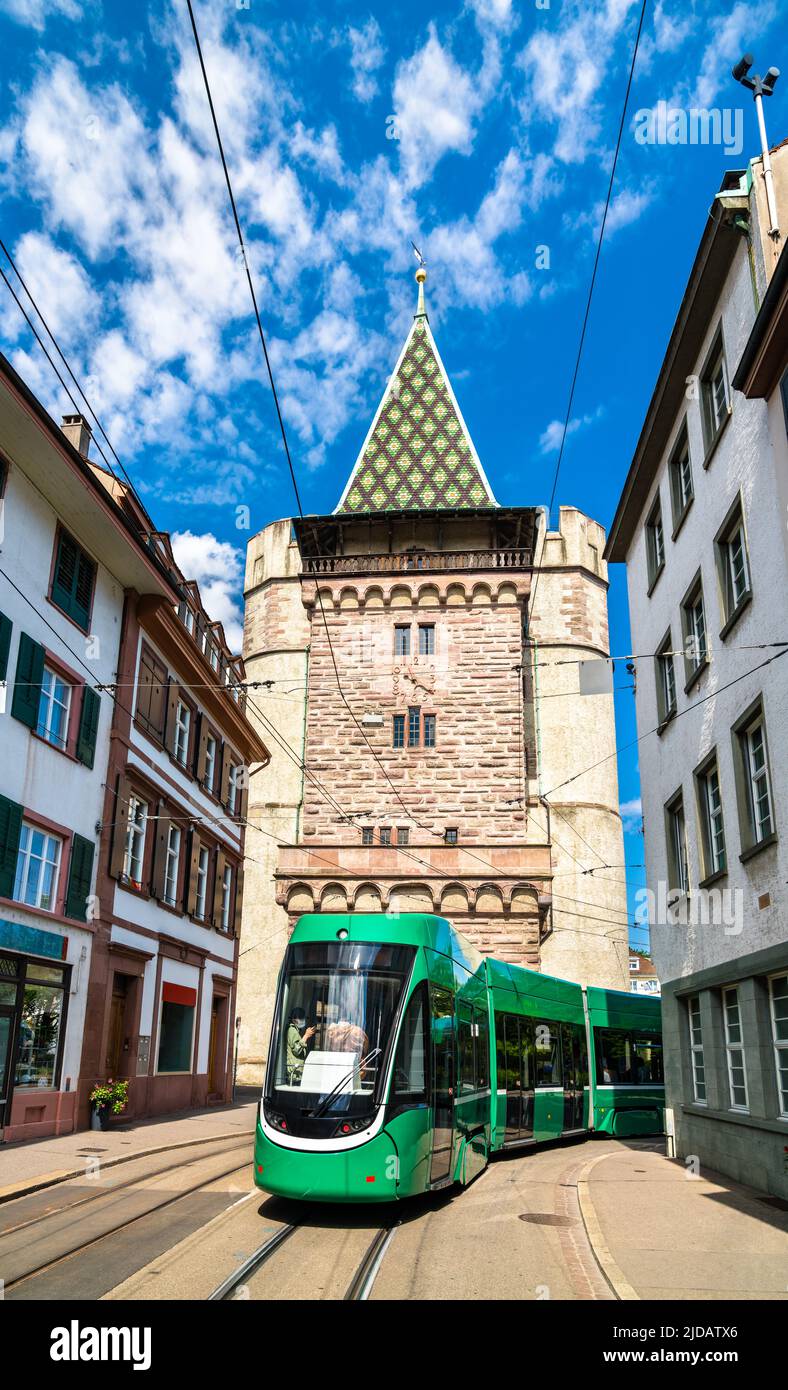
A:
(278, 1121)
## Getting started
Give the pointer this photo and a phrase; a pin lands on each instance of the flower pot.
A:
(99, 1117)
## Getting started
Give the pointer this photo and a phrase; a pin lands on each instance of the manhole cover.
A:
(546, 1218)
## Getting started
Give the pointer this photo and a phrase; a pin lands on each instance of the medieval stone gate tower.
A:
(422, 714)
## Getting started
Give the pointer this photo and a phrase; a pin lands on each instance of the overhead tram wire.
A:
(347, 816)
(43, 347)
(408, 811)
(345, 701)
(622, 748)
(67, 366)
(532, 596)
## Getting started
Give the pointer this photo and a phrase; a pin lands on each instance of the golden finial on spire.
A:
(421, 275)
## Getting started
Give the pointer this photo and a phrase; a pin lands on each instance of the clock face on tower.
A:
(413, 684)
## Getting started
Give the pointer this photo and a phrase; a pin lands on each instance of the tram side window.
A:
(500, 1051)
(627, 1058)
(547, 1050)
(409, 1084)
(466, 1048)
(482, 1049)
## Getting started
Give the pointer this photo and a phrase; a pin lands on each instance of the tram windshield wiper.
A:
(326, 1101)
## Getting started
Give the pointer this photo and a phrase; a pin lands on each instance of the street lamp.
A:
(761, 87)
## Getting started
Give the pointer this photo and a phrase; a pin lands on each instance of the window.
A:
(54, 706)
(399, 731)
(429, 731)
(733, 569)
(756, 817)
(628, 1058)
(666, 680)
(414, 726)
(214, 656)
(655, 543)
(171, 866)
(634, 963)
(233, 788)
(778, 998)
(696, 1050)
(465, 1047)
(385, 835)
(714, 393)
(681, 488)
(402, 641)
(37, 868)
(409, 1080)
(403, 835)
(227, 884)
(210, 763)
(183, 719)
(451, 836)
(73, 580)
(177, 1028)
(367, 835)
(711, 822)
(737, 1080)
(547, 1043)
(693, 619)
(187, 617)
(135, 839)
(151, 687)
(39, 1024)
(202, 882)
(427, 639)
(676, 828)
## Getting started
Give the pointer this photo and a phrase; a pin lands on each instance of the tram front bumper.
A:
(367, 1173)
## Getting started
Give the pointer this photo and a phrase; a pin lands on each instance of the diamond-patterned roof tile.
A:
(419, 453)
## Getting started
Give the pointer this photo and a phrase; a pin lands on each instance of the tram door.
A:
(519, 1054)
(573, 1047)
(443, 1083)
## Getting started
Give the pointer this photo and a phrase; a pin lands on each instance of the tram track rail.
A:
(358, 1290)
(114, 1187)
(120, 1226)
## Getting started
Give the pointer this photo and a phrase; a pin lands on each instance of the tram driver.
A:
(298, 1036)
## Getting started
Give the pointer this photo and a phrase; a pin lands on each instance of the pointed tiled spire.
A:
(418, 453)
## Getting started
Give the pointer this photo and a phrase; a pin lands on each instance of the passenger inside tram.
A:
(298, 1036)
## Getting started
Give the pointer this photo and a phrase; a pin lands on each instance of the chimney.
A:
(77, 432)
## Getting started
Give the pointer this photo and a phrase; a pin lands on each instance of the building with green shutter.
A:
(120, 705)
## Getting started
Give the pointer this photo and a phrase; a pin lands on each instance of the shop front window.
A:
(40, 1022)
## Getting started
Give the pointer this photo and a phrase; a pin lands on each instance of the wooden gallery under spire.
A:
(422, 726)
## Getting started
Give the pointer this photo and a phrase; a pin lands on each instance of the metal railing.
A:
(420, 562)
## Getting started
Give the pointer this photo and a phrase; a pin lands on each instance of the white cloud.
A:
(35, 13)
(632, 816)
(60, 286)
(367, 53)
(626, 207)
(565, 66)
(469, 271)
(217, 567)
(550, 438)
(729, 37)
(435, 103)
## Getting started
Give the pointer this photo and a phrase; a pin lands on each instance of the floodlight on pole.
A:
(761, 87)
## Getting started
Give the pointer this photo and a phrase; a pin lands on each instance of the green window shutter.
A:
(72, 581)
(79, 876)
(88, 726)
(27, 685)
(10, 830)
(5, 644)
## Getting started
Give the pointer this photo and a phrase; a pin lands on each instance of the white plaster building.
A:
(701, 525)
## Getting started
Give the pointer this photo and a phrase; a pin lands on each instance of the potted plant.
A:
(107, 1098)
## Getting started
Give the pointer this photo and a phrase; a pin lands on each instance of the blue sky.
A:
(482, 130)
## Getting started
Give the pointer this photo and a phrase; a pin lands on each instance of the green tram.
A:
(401, 1059)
